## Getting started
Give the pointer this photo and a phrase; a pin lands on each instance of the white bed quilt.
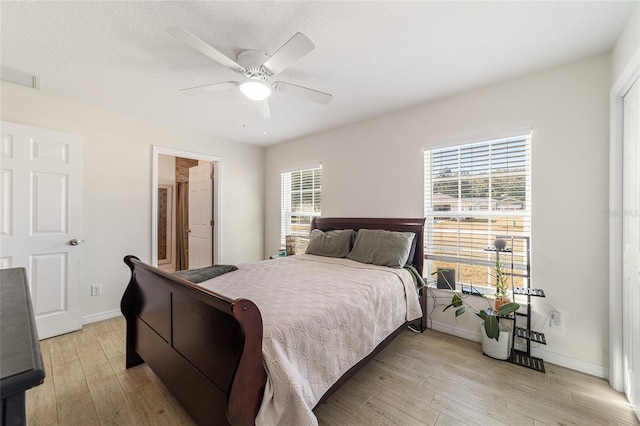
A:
(321, 316)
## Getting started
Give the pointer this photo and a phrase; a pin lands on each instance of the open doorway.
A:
(184, 209)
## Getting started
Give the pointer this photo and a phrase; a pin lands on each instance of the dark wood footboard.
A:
(206, 348)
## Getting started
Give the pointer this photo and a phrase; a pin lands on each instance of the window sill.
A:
(468, 289)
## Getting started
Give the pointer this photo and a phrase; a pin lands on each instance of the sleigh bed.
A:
(207, 348)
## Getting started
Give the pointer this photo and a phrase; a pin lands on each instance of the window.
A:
(301, 201)
(474, 193)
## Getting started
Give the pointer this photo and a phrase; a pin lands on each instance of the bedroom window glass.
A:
(473, 193)
(301, 201)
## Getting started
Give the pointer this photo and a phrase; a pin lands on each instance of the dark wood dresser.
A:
(21, 365)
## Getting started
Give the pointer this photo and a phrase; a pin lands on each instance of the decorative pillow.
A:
(380, 247)
(331, 243)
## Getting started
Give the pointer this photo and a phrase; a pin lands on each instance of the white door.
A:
(631, 246)
(41, 220)
(200, 216)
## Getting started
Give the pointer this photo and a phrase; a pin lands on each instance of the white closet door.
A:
(200, 216)
(631, 246)
(41, 220)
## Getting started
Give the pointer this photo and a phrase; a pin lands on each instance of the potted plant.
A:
(502, 284)
(491, 328)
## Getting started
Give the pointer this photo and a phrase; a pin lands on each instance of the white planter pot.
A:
(498, 349)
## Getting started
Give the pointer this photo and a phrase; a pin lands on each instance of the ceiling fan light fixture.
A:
(255, 90)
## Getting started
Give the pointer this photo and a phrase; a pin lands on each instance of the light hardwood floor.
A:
(420, 379)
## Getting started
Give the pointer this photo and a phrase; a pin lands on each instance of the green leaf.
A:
(491, 327)
(508, 308)
(456, 301)
(448, 306)
(482, 314)
(460, 311)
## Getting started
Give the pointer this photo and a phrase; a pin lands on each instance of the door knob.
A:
(74, 242)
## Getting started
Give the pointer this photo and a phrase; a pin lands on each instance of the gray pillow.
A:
(380, 247)
(331, 243)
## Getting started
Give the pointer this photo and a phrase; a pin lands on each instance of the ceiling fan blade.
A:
(262, 109)
(302, 92)
(209, 88)
(294, 49)
(204, 48)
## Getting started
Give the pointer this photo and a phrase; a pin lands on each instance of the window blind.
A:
(474, 193)
(301, 199)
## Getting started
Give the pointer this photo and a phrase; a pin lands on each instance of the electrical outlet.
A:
(556, 320)
(96, 289)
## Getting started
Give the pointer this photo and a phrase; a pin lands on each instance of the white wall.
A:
(627, 46)
(117, 186)
(375, 168)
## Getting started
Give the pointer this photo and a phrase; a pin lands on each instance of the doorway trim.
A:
(217, 167)
(622, 85)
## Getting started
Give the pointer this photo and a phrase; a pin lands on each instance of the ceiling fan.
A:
(257, 68)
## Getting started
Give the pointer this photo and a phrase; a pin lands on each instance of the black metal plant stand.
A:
(519, 357)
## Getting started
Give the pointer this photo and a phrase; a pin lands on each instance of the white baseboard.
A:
(572, 363)
(553, 358)
(100, 316)
(455, 331)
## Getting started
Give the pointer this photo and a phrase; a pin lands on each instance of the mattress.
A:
(320, 317)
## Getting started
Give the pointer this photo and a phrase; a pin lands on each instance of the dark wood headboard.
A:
(415, 225)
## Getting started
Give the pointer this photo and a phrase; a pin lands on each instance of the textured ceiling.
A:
(374, 57)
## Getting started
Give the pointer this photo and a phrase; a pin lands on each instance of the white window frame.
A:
(286, 210)
(465, 255)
